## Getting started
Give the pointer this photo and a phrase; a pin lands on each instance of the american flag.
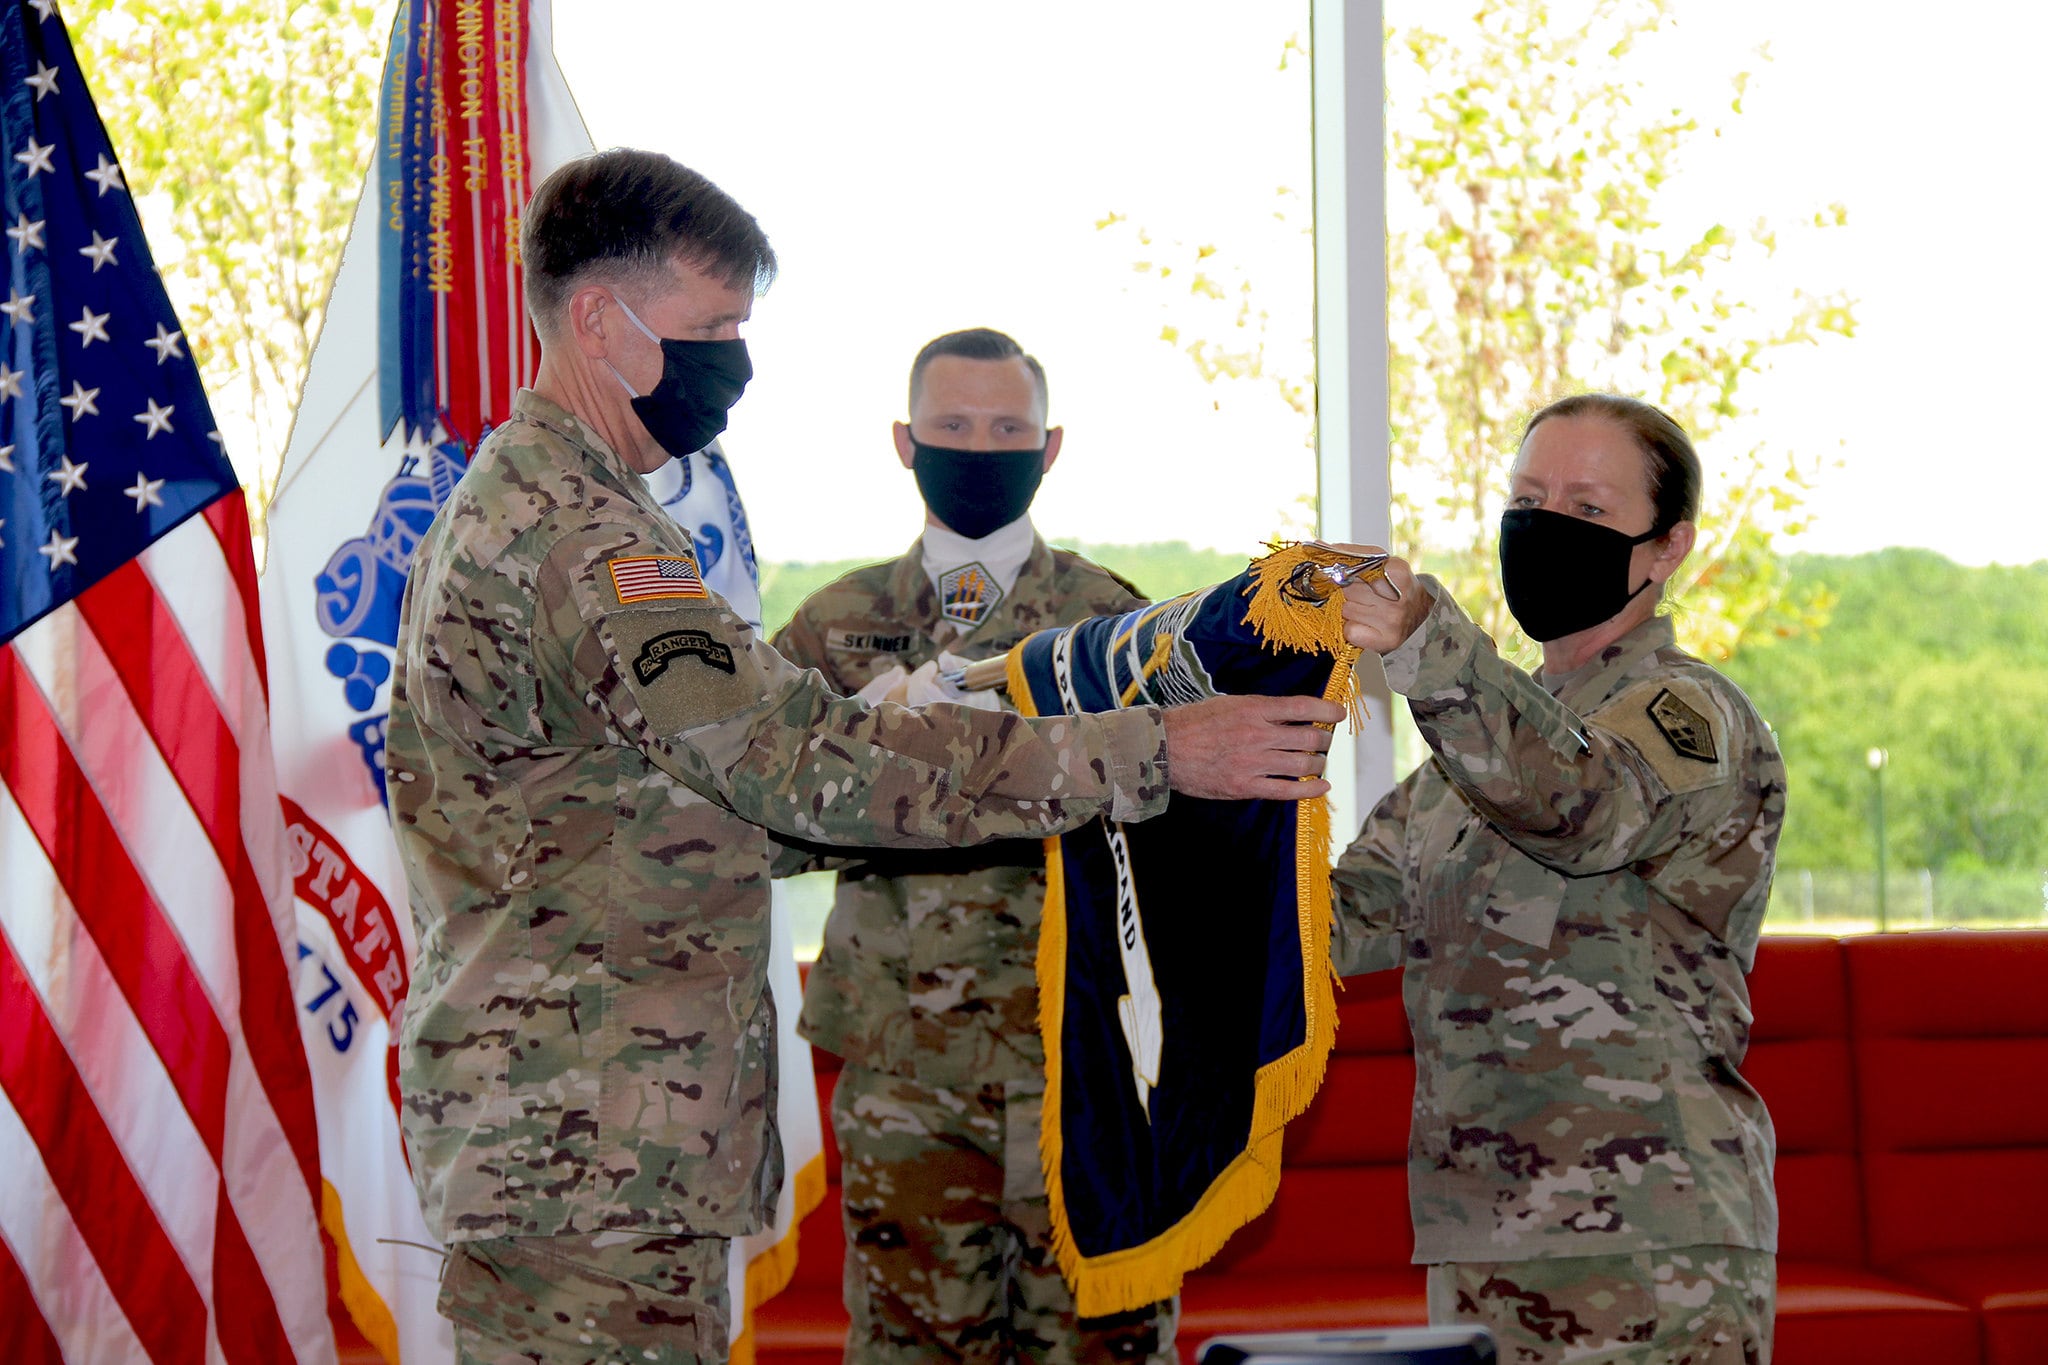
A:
(644, 578)
(161, 1171)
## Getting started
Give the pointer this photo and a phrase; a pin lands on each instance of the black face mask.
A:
(1563, 574)
(700, 381)
(975, 492)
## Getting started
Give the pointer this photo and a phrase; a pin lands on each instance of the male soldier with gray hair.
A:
(587, 754)
(926, 983)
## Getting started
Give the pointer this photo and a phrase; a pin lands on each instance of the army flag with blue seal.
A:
(1185, 995)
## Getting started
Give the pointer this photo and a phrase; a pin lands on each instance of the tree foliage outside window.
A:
(244, 127)
(1529, 257)
(1945, 668)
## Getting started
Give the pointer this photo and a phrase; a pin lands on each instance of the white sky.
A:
(926, 166)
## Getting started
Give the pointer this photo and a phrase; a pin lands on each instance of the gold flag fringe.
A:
(1285, 617)
(1291, 608)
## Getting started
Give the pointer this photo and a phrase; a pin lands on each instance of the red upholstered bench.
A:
(1951, 1034)
(1333, 1250)
(1831, 1305)
(1908, 1079)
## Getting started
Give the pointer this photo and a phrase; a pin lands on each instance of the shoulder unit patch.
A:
(1685, 729)
(968, 594)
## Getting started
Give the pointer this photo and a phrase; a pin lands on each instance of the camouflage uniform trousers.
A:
(949, 1232)
(609, 1298)
(1684, 1306)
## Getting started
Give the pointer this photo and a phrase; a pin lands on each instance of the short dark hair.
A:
(976, 343)
(1671, 467)
(624, 213)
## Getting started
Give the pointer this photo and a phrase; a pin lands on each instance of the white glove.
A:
(886, 686)
(926, 686)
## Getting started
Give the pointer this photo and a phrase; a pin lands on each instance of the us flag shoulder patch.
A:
(649, 578)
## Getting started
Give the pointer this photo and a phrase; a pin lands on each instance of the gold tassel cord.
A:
(1293, 603)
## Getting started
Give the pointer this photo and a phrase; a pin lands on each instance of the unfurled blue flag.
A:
(1183, 966)
(106, 440)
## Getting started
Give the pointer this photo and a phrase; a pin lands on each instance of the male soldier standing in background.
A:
(926, 982)
(587, 751)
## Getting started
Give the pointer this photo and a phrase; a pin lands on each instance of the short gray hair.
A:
(624, 213)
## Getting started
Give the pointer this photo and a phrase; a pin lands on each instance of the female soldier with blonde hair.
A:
(1572, 886)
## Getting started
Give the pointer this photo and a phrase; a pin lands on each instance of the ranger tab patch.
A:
(658, 653)
(1686, 729)
(648, 578)
(968, 594)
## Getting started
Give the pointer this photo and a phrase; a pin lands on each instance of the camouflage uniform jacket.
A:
(585, 758)
(927, 968)
(1573, 887)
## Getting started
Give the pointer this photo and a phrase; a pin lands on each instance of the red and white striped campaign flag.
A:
(158, 1155)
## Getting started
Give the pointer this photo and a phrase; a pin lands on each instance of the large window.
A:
(1805, 233)
(1122, 188)
(1126, 189)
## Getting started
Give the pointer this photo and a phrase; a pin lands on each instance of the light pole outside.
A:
(1877, 758)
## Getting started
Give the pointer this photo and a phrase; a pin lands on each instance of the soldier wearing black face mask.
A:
(589, 748)
(1572, 889)
(925, 984)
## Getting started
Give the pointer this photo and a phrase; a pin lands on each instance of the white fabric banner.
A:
(700, 493)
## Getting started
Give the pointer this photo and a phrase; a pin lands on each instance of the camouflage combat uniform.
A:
(587, 751)
(926, 985)
(1573, 888)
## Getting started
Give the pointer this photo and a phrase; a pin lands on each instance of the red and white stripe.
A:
(156, 1120)
(485, 345)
